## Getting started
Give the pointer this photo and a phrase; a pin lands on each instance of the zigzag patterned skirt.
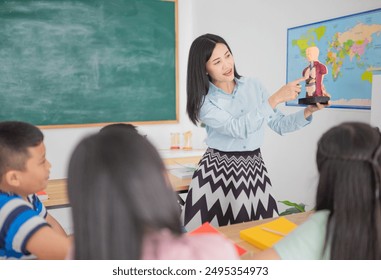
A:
(229, 188)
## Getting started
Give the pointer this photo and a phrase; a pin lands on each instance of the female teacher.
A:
(231, 184)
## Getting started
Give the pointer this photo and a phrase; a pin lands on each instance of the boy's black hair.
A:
(15, 139)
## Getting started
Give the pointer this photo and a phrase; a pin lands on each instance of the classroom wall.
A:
(375, 116)
(257, 32)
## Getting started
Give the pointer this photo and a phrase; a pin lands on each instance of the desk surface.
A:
(232, 231)
(57, 192)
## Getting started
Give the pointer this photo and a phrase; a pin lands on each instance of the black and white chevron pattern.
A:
(229, 188)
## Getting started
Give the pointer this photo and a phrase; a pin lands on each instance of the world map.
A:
(349, 46)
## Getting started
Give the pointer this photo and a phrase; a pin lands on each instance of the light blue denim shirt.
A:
(236, 122)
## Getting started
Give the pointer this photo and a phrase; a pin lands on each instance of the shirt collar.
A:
(8, 193)
(213, 89)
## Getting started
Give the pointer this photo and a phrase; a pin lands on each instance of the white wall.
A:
(375, 114)
(256, 31)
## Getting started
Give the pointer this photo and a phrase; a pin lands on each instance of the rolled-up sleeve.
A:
(282, 124)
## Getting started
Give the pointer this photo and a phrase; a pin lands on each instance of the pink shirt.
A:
(165, 246)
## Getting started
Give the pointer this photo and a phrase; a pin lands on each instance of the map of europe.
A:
(349, 46)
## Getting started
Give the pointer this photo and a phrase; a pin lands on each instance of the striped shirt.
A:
(19, 220)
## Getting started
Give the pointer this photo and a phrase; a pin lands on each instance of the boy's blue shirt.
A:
(19, 220)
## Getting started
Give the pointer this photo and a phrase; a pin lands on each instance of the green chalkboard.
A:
(65, 62)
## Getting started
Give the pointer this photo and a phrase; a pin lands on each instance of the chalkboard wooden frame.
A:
(156, 101)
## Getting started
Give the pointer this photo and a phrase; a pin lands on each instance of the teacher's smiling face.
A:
(220, 66)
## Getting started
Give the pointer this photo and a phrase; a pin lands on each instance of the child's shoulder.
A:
(19, 222)
(7, 196)
(12, 200)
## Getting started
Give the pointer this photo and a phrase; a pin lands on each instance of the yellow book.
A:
(266, 235)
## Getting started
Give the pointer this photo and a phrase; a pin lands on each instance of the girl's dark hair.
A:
(120, 125)
(197, 80)
(349, 162)
(15, 139)
(118, 192)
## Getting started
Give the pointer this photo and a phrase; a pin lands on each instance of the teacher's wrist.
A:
(307, 112)
(273, 100)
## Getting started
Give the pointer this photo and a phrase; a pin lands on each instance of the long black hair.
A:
(349, 163)
(197, 80)
(118, 192)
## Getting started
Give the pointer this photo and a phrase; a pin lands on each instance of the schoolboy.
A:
(27, 230)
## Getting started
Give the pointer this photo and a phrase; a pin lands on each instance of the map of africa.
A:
(349, 46)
